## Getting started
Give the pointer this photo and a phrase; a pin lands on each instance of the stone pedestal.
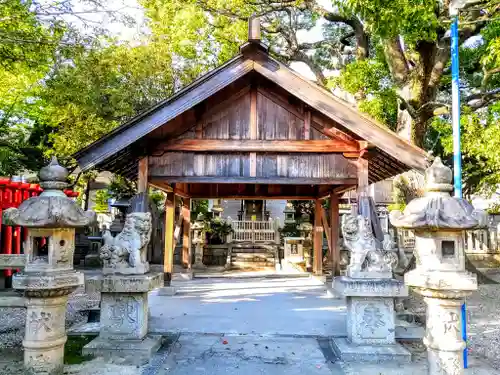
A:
(370, 320)
(124, 316)
(45, 335)
(198, 257)
(444, 294)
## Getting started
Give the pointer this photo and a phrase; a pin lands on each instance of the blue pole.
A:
(457, 154)
(455, 92)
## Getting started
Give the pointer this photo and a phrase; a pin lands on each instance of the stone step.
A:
(252, 250)
(252, 260)
(243, 256)
(239, 264)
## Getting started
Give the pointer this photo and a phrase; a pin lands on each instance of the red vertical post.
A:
(3, 184)
(16, 231)
(7, 240)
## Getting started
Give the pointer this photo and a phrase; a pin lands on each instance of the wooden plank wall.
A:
(253, 113)
(297, 165)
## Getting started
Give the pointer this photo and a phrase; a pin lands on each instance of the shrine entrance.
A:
(252, 130)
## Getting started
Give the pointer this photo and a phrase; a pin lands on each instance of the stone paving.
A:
(272, 326)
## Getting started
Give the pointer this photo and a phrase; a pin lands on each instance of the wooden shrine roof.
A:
(120, 150)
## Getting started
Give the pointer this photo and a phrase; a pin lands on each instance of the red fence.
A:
(12, 193)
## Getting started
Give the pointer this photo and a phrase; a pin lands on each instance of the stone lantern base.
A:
(124, 317)
(370, 320)
(46, 297)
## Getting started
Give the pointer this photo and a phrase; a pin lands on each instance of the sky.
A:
(132, 9)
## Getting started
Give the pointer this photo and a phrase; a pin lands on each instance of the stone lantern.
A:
(198, 240)
(439, 222)
(289, 212)
(217, 209)
(48, 277)
(306, 229)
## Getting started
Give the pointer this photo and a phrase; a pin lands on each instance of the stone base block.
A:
(123, 283)
(136, 352)
(350, 287)
(167, 291)
(349, 352)
(125, 270)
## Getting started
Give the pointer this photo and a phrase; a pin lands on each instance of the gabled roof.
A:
(253, 58)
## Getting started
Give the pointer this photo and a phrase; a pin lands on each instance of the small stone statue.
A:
(366, 260)
(126, 253)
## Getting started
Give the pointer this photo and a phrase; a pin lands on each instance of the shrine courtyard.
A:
(267, 325)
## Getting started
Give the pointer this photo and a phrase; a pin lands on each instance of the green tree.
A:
(398, 51)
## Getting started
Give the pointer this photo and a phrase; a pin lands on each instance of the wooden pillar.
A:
(362, 176)
(168, 253)
(334, 234)
(186, 233)
(142, 177)
(318, 240)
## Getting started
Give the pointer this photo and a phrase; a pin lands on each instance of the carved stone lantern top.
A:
(305, 225)
(199, 223)
(52, 209)
(437, 209)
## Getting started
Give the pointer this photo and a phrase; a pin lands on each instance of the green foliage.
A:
(217, 230)
(158, 198)
(199, 206)
(414, 19)
(101, 201)
(369, 80)
(121, 188)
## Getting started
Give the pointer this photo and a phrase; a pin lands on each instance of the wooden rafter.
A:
(214, 145)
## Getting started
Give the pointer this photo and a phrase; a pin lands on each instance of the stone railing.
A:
(11, 298)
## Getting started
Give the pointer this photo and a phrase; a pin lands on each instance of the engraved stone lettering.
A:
(451, 323)
(37, 322)
(372, 318)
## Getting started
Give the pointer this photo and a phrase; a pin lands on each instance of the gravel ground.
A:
(483, 324)
(12, 320)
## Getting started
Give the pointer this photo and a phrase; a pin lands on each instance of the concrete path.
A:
(256, 326)
(286, 307)
(203, 355)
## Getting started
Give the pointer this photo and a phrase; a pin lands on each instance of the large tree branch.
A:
(318, 72)
(396, 60)
(362, 40)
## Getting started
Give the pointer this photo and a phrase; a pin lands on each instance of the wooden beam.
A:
(326, 229)
(186, 233)
(307, 125)
(253, 113)
(253, 164)
(142, 177)
(252, 180)
(318, 240)
(168, 254)
(282, 102)
(334, 234)
(214, 145)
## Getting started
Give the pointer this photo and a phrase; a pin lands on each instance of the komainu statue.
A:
(126, 253)
(367, 261)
